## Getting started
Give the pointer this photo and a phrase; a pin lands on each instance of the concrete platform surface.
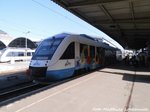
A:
(13, 74)
(6, 68)
(105, 90)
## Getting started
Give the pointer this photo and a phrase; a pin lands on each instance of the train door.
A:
(102, 52)
(100, 56)
(83, 56)
(68, 57)
(77, 55)
(67, 61)
(92, 57)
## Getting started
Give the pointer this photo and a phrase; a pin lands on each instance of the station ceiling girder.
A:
(126, 21)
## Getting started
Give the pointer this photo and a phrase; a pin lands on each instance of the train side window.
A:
(92, 51)
(83, 50)
(14, 53)
(9, 54)
(69, 52)
(28, 53)
(32, 53)
(20, 53)
(98, 51)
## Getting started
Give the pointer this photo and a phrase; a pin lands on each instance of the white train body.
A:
(16, 54)
(62, 55)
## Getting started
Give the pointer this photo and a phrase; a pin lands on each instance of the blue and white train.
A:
(63, 55)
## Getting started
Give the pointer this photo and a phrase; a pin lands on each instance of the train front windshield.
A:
(47, 48)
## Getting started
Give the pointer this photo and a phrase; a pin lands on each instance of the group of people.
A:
(142, 59)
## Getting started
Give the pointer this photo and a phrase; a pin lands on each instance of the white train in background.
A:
(16, 54)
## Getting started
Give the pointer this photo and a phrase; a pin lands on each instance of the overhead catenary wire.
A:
(19, 27)
(60, 14)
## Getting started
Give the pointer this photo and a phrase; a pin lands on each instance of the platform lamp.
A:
(26, 42)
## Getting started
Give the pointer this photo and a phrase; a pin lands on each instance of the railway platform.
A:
(112, 89)
(12, 73)
(6, 68)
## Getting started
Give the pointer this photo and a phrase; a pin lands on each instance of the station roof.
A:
(126, 21)
(2, 32)
(20, 42)
(5, 39)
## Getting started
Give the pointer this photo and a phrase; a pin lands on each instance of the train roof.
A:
(104, 45)
(61, 35)
(14, 48)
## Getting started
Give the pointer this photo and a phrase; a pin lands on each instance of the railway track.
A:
(16, 86)
(15, 93)
(9, 96)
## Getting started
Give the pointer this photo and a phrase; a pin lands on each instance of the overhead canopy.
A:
(126, 21)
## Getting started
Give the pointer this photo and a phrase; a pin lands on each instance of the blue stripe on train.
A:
(60, 74)
(88, 66)
(65, 73)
